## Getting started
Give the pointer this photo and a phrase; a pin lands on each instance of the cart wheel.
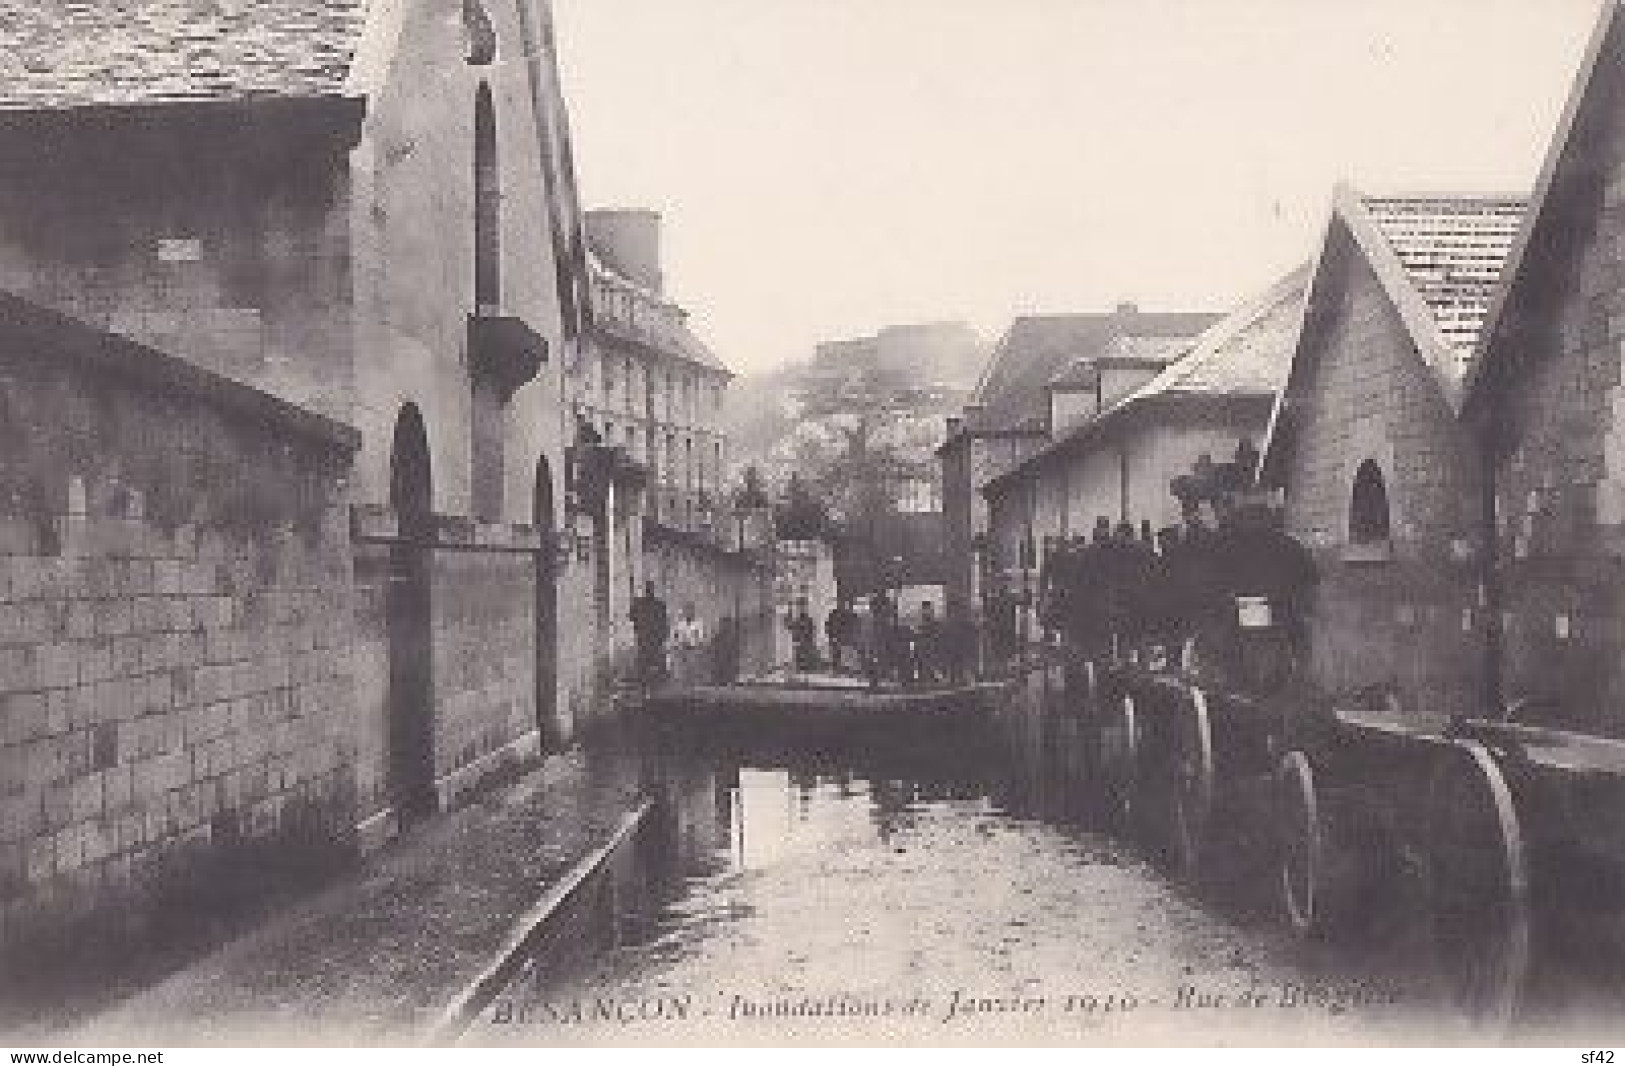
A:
(1478, 880)
(1192, 807)
(1119, 760)
(1319, 875)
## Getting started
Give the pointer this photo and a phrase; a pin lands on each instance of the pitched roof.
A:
(77, 53)
(1592, 100)
(1452, 249)
(663, 325)
(1155, 351)
(1437, 259)
(1245, 354)
(1037, 347)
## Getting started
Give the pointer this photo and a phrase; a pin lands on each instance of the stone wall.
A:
(1560, 474)
(174, 638)
(719, 584)
(1410, 616)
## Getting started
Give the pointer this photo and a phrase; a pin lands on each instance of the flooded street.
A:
(928, 893)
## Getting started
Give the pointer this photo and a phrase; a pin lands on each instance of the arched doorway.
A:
(547, 607)
(411, 672)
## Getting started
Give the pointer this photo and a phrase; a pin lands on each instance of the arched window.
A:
(1369, 521)
(487, 204)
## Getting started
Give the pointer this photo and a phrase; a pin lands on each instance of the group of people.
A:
(1125, 590)
(685, 649)
(880, 643)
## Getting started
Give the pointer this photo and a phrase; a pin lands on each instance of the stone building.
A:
(653, 392)
(1545, 396)
(1129, 421)
(1381, 480)
(1011, 413)
(295, 291)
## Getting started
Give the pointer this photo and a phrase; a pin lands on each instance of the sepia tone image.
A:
(768, 523)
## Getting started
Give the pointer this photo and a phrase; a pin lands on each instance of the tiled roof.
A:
(1249, 352)
(1083, 371)
(58, 54)
(1037, 347)
(1245, 354)
(1452, 249)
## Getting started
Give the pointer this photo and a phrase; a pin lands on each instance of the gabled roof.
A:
(1591, 97)
(1452, 249)
(1037, 347)
(1437, 259)
(79, 53)
(1244, 355)
(1152, 352)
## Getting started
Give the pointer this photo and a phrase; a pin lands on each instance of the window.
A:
(487, 204)
(1369, 521)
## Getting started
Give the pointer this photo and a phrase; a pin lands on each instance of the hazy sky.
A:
(826, 167)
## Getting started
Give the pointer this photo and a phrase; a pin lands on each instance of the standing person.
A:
(1002, 627)
(840, 628)
(689, 639)
(929, 645)
(725, 651)
(803, 638)
(868, 645)
(883, 646)
(651, 625)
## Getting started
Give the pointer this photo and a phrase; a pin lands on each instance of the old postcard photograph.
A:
(781, 523)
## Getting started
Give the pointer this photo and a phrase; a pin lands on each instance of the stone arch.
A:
(1370, 515)
(409, 619)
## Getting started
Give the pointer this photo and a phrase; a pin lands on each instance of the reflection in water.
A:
(807, 885)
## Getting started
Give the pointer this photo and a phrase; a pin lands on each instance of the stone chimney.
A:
(628, 241)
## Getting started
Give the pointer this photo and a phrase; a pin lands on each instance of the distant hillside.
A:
(916, 374)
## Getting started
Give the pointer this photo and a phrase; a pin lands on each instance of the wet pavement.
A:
(939, 896)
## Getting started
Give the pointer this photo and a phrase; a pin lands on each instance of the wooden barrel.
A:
(1192, 785)
(1478, 884)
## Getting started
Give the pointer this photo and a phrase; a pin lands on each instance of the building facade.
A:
(1129, 424)
(1544, 397)
(299, 507)
(1043, 367)
(652, 392)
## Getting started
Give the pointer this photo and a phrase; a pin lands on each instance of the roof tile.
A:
(1453, 249)
(62, 53)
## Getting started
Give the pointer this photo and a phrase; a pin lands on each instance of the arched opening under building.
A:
(409, 621)
(547, 607)
(1369, 519)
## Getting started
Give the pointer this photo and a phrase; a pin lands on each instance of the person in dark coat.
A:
(1002, 625)
(928, 645)
(841, 629)
(651, 626)
(803, 637)
(725, 651)
(883, 615)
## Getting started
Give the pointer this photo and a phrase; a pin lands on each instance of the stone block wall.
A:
(485, 658)
(1414, 617)
(1560, 476)
(174, 636)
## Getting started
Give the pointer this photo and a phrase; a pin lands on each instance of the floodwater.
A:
(939, 889)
